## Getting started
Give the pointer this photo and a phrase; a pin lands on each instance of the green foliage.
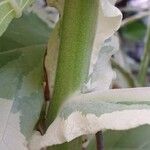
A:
(29, 30)
(21, 78)
(6, 15)
(145, 59)
(10, 9)
(132, 139)
(22, 50)
(134, 31)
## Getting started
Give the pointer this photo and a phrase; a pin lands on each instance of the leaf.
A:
(6, 15)
(133, 139)
(90, 113)
(17, 35)
(21, 78)
(108, 22)
(10, 9)
(117, 109)
(102, 75)
(100, 109)
(134, 31)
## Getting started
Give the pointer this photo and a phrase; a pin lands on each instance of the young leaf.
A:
(102, 75)
(108, 21)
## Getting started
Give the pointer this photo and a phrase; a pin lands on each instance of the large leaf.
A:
(101, 109)
(90, 113)
(133, 139)
(21, 79)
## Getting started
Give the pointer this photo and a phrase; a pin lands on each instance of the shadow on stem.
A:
(99, 140)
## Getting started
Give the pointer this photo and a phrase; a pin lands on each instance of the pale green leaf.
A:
(21, 83)
(133, 139)
(17, 35)
(92, 112)
(102, 75)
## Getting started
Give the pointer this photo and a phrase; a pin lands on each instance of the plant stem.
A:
(146, 58)
(129, 78)
(99, 140)
(135, 17)
(77, 31)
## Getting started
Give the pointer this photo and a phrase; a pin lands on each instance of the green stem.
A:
(129, 78)
(77, 31)
(145, 60)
